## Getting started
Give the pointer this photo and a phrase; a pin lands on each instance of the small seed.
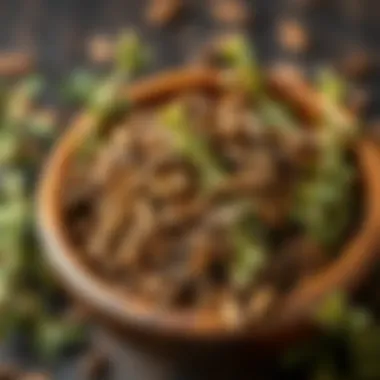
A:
(231, 12)
(292, 36)
(101, 49)
(231, 312)
(160, 13)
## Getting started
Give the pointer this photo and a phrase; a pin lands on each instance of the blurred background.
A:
(59, 33)
(45, 41)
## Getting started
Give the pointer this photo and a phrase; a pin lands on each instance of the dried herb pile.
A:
(216, 202)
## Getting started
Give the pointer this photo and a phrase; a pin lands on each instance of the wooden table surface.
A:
(58, 30)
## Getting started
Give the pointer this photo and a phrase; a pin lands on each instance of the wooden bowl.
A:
(131, 315)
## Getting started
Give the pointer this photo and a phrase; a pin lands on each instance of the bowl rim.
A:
(344, 273)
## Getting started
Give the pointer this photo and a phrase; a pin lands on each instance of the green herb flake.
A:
(332, 86)
(247, 239)
(80, 86)
(332, 313)
(240, 56)
(194, 147)
(131, 56)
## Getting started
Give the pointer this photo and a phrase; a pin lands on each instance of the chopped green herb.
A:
(332, 313)
(80, 86)
(250, 255)
(191, 145)
(54, 336)
(332, 86)
(275, 115)
(131, 55)
(9, 147)
(238, 53)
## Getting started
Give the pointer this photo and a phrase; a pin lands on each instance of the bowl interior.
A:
(343, 273)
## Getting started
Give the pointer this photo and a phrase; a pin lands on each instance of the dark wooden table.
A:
(58, 31)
